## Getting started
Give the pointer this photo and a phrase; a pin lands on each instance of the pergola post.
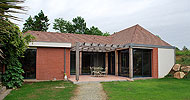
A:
(111, 63)
(77, 61)
(116, 62)
(80, 63)
(130, 62)
(106, 61)
(119, 62)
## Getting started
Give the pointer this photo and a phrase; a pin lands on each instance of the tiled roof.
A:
(135, 34)
(69, 37)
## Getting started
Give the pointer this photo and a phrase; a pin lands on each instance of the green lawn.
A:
(152, 89)
(57, 90)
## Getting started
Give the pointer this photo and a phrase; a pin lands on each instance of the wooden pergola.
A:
(93, 47)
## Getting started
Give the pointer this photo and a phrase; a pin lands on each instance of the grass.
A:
(151, 89)
(43, 91)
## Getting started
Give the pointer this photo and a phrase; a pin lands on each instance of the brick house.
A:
(132, 52)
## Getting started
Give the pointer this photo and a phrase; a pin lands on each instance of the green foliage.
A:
(63, 26)
(183, 56)
(158, 36)
(13, 75)
(77, 26)
(177, 49)
(29, 25)
(9, 6)
(106, 34)
(14, 45)
(187, 76)
(185, 48)
(38, 23)
(94, 31)
(182, 52)
(184, 61)
(169, 76)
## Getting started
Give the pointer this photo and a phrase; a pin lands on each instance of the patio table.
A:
(98, 71)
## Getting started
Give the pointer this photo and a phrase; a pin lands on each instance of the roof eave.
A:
(150, 46)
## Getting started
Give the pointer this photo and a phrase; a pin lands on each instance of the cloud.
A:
(167, 18)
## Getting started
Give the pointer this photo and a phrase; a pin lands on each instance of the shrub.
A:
(14, 45)
(184, 61)
(187, 76)
(182, 53)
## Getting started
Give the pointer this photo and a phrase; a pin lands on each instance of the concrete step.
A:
(3, 89)
(4, 93)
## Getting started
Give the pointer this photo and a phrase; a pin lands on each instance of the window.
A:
(124, 63)
(142, 62)
(96, 59)
(72, 63)
(29, 64)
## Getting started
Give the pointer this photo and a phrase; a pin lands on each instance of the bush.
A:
(169, 75)
(13, 75)
(182, 53)
(187, 76)
(185, 61)
(14, 45)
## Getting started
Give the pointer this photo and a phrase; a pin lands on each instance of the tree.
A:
(177, 49)
(29, 25)
(106, 34)
(94, 31)
(38, 23)
(185, 48)
(9, 6)
(77, 26)
(63, 26)
(14, 45)
(158, 36)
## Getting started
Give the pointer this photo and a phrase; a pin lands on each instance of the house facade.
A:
(132, 52)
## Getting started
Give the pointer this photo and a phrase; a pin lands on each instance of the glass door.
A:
(124, 63)
(142, 62)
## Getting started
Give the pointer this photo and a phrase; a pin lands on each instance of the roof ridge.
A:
(124, 29)
(151, 34)
(134, 33)
(68, 33)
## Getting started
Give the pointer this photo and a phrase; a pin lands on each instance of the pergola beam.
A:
(93, 47)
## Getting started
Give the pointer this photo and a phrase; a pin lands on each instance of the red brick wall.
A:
(155, 63)
(50, 63)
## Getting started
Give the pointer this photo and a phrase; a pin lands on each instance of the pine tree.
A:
(38, 23)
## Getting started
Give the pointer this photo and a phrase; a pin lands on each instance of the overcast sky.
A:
(170, 19)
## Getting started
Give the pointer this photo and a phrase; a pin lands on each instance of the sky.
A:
(170, 19)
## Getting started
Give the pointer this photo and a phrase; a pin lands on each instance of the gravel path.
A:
(89, 91)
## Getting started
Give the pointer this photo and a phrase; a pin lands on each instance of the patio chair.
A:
(103, 73)
(98, 71)
(91, 70)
